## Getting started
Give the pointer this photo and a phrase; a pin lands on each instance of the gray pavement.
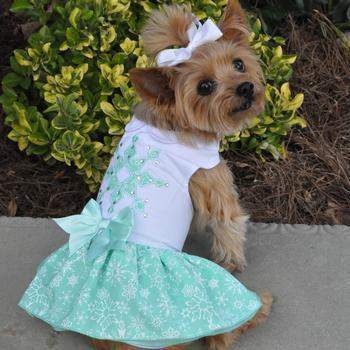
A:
(307, 268)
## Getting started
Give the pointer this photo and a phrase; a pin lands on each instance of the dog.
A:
(212, 94)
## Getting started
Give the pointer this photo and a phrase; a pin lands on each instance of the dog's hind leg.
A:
(123, 346)
(102, 344)
(110, 345)
(224, 341)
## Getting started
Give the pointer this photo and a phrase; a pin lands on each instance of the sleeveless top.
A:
(150, 173)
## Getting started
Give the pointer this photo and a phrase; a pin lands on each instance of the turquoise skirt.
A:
(143, 296)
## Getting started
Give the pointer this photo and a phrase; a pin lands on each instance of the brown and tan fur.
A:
(108, 345)
(170, 100)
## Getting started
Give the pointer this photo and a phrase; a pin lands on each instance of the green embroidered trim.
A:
(137, 176)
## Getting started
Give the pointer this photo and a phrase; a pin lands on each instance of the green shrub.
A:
(267, 130)
(273, 12)
(69, 97)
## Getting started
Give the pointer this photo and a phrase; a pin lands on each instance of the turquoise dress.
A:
(123, 276)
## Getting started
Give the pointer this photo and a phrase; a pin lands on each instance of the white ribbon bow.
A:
(198, 34)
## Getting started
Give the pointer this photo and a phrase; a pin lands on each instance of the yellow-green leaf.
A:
(82, 69)
(119, 81)
(21, 59)
(253, 122)
(80, 163)
(268, 119)
(117, 70)
(66, 72)
(50, 97)
(46, 48)
(74, 16)
(277, 52)
(97, 146)
(298, 121)
(108, 109)
(33, 53)
(146, 6)
(111, 34)
(22, 143)
(285, 92)
(128, 46)
(88, 53)
(245, 133)
(64, 46)
(142, 61)
(290, 59)
(259, 131)
(36, 140)
(107, 37)
(21, 114)
(13, 135)
(105, 70)
(294, 104)
(138, 51)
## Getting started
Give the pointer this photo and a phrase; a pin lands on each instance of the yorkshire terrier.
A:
(210, 95)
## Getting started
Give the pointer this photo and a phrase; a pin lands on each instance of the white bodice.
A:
(150, 172)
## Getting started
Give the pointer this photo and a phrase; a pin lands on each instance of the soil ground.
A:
(311, 186)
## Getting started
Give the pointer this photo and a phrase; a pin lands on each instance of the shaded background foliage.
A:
(273, 12)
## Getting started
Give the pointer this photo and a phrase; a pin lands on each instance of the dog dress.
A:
(123, 276)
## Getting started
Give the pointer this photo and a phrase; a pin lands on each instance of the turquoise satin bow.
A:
(90, 226)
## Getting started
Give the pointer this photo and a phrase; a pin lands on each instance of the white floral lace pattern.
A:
(130, 295)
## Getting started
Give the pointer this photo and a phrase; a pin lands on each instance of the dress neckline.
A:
(168, 136)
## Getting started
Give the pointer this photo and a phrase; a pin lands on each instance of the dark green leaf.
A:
(11, 80)
(72, 36)
(21, 5)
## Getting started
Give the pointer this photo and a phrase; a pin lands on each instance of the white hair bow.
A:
(198, 34)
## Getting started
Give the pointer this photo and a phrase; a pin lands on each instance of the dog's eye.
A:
(205, 87)
(239, 65)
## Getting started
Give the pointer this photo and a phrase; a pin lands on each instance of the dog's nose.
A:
(245, 89)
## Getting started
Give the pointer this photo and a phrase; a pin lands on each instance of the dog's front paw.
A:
(240, 267)
(241, 264)
(234, 266)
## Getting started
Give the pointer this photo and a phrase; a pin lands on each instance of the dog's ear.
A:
(234, 23)
(153, 85)
(166, 27)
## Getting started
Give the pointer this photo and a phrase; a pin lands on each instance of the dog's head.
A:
(216, 90)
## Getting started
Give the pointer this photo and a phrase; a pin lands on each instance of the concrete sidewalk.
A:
(307, 268)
